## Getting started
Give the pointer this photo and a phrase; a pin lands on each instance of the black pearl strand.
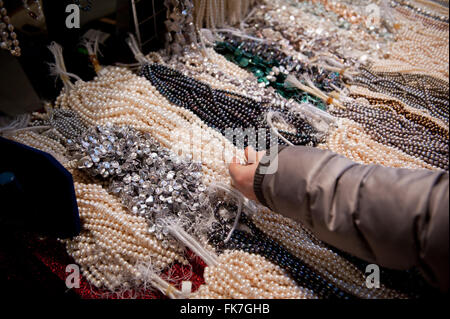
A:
(223, 110)
(391, 126)
(65, 122)
(416, 90)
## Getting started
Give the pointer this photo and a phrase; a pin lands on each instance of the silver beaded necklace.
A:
(151, 181)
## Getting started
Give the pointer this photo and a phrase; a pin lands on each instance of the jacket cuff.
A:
(257, 187)
(259, 178)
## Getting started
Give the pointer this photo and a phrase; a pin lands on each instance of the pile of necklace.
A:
(112, 243)
(333, 266)
(146, 151)
(419, 91)
(421, 45)
(349, 139)
(214, 69)
(256, 242)
(267, 54)
(119, 97)
(239, 275)
(314, 36)
(440, 15)
(380, 130)
(274, 72)
(224, 110)
(151, 181)
(222, 74)
(293, 248)
(403, 108)
(102, 144)
(388, 123)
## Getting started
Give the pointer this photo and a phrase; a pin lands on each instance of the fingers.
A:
(251, 155)
(235, 160)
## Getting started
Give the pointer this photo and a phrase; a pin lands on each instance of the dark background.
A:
(25, 81)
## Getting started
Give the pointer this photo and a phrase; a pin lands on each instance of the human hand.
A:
(242, 176)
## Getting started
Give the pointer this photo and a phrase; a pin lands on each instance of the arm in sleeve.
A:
(396, 218)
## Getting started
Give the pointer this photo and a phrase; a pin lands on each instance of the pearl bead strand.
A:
(139, 105)
(418, 48)
(113, 242)
(303, 244)
(360, 90)
(349, 139)
(240, 275)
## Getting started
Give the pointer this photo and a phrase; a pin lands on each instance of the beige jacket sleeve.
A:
(396, 218)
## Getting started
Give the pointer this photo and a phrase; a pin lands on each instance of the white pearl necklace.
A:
(419, 47)
(113, 242)
(240, 275)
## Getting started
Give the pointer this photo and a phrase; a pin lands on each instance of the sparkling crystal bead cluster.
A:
(152, 182)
